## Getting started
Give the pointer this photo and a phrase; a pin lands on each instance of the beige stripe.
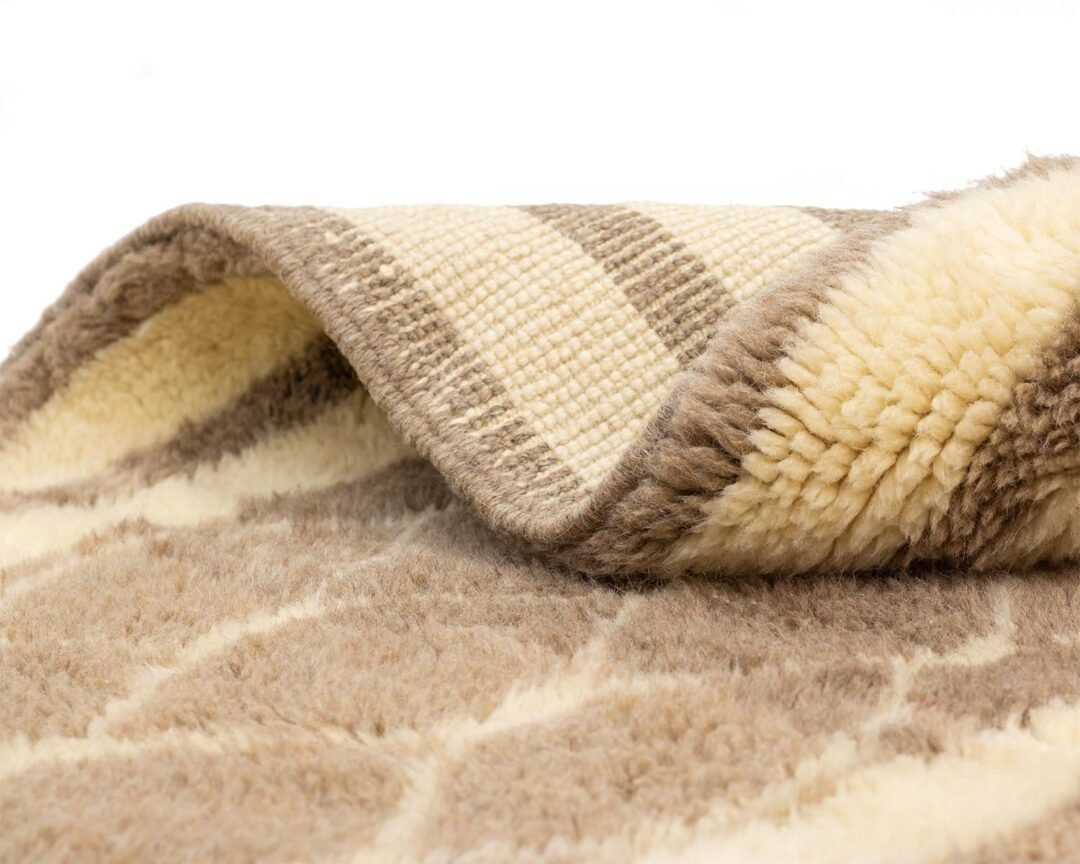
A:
(345, 443)
(21, 755)
(185, 363)
(580, 363)
(747, 247)
(903, 375)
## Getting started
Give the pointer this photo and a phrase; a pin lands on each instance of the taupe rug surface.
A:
(555, 533)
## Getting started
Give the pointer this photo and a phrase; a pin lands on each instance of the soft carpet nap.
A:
(553, 533)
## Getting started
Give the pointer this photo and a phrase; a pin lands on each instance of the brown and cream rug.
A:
(551, 534)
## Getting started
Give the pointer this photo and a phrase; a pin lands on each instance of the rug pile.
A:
(560, 534)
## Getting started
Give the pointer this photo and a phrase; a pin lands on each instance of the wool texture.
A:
(554, 533)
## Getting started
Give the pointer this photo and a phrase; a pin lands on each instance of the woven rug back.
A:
(560, 533)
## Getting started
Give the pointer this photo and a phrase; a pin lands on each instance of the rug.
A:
(552, 533)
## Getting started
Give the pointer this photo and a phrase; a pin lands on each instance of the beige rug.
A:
(558, 533)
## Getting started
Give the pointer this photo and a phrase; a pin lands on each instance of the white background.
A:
(113, 111)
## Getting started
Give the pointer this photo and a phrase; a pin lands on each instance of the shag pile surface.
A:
(558, 533)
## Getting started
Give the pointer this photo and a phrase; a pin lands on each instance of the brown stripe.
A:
(843, 220)
(291, 396)
(668, 284)
(106, 303)
(1031, 454)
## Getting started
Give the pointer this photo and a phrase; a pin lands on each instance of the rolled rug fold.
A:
(402, 515)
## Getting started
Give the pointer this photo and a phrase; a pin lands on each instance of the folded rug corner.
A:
(555, 533)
